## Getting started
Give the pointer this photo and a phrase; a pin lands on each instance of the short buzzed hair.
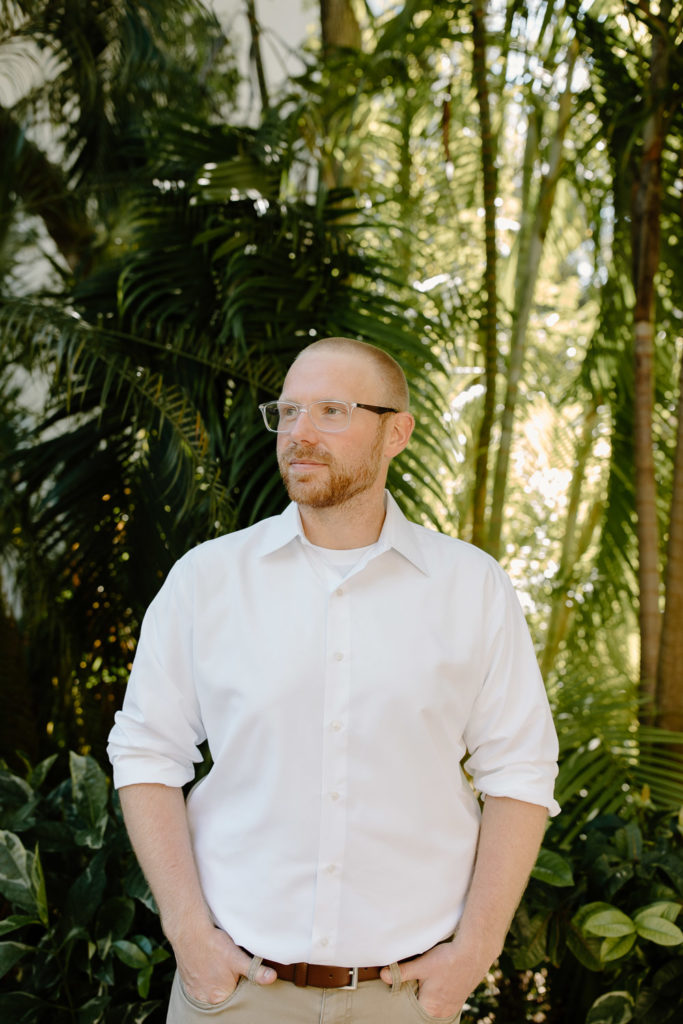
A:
(391, 373)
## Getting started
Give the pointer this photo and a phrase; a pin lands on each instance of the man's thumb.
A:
(265, 976)
(387, 976)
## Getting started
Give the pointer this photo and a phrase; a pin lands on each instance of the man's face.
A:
(322, 470)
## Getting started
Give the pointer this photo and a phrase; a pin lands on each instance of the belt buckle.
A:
(353, 984)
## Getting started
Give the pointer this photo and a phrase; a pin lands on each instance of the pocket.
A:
(411, 988)
(208, 1008)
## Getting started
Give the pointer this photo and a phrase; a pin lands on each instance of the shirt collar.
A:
(397, 533)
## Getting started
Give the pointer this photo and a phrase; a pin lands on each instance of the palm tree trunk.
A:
(490, 320)
(525, 295)
(339, 24)
(340, 30)
(670, 668)
(646, 205)
(255, 53)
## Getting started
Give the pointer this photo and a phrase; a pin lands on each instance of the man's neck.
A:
(354, 524)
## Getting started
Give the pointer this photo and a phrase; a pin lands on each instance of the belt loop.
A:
(300, 975)
(256, 962)
(396, 979)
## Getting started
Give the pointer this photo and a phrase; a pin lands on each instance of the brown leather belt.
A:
(321, 976)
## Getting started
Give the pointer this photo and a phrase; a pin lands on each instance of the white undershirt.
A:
(335, 564)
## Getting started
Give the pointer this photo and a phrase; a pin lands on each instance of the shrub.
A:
(595, 939)
(86, 945)
(600, 919)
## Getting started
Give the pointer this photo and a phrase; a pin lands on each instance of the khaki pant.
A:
(372, 1002)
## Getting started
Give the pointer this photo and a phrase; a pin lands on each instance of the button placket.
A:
(333, 813)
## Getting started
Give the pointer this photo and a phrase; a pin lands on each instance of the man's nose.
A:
(303, 428)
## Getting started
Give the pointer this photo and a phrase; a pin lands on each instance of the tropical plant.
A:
(599, 919)
(81, 942)
(356, 206)
(82, 83)
(632, 59)
(596, 932)
(150, 439)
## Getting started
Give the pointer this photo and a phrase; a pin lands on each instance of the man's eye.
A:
(288, 412)
(330, 411)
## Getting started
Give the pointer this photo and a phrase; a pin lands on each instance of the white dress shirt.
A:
(337, 825)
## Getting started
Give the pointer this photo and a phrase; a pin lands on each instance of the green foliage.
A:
(191, 259)
(80, 941)
(150, 438)
(85, 942)
(600, 920)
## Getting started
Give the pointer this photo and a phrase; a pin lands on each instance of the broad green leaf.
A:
(115, 917)
(14, 1005)
(531, 934)
(615, 948)
(662, 908)
(144, 980)
(16, 863)
(664, 991)
(15, 921)
(10, 954)
(17, 803)
(135, 885)
(39, 890)
(585, 949)
(629, 842)
(145, 1010)
(90, 794)
(611, 1008)
(73, 936)
(145, 943)
(610, 923)
(85, 895)
(584, 912)
(92, 1011)
(38, 774)
(130, 954)
(552, 868)
(657, 929)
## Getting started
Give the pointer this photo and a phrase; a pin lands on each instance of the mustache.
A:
(304, 451)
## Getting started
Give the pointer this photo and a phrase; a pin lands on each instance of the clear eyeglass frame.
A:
(327, 415)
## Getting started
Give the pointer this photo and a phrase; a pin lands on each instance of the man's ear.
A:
(398, 434)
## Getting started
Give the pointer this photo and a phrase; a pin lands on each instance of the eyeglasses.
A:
(326, 416)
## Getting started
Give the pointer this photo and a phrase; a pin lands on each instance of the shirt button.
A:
(334, 795)
(331, 868)
(338, 656)
(340, 591)
(336, 726)
(324, 941)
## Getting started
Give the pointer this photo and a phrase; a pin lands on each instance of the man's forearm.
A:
(509, 840)
(208, 960)
(156, 820)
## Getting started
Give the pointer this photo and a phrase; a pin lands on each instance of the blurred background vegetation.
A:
(493, 192)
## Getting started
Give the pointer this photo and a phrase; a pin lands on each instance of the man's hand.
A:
(210, 965)
(446, 974)
(209, 962)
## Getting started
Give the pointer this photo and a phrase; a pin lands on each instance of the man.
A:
(334, 864)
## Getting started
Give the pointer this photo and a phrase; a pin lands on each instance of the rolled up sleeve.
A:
(510, 734)
(156, 735)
